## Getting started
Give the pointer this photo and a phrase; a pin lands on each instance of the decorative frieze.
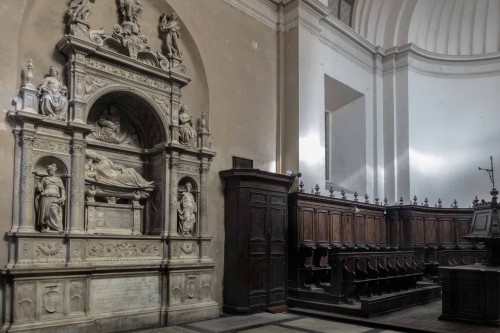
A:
(127, 74)
(124, 250)
(51, 146)
(49, 249)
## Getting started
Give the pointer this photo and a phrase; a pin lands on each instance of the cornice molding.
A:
(264, 11)
(313, 15)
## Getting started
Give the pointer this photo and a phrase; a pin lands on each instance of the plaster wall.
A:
(453, 129)
(230, 58)
(348, 149)
(320, 56)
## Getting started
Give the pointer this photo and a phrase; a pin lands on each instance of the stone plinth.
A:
(471, 293)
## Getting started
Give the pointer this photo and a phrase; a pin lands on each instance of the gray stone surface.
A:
(239, 322)
(325, 326)
(270, 329)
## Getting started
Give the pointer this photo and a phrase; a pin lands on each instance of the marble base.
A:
(471, 293)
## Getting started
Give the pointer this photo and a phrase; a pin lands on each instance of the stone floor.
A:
(267, 323)
(422, 318)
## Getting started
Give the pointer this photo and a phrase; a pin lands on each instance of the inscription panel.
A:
(115, 294)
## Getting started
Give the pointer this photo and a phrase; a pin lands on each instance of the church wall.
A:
(230, 58)
(242, 97)
(325, 55)
(453, 131)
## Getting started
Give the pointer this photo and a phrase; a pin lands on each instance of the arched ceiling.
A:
(450, 27)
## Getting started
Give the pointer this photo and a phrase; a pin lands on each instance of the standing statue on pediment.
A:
(53, 96)
(172, 30)
(187, 211)
(131, 10)
(108, 126)
(80, 9)
(51, 196)
(187, 134)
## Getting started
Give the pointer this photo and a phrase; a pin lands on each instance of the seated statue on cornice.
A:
(53, 96)
(101, 170)
(187, 134)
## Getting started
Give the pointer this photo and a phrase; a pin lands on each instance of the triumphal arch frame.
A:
(110, 227)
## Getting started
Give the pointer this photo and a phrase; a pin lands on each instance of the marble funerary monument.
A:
(110, 226)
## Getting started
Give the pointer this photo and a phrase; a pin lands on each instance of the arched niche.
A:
(51, 187)
(126, 145)
(188, 215)
(138, 125)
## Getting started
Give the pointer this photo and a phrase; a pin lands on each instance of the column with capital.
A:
(174, 164)
(203, 213)
(77, 181)
(26, 184)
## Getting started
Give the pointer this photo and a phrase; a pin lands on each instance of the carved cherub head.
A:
(53, 71)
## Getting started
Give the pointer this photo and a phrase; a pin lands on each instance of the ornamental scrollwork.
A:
(49, 249)
(123, 250)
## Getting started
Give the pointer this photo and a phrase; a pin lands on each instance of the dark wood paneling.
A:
(347, 229)
(431, 231)
(335, 228)
(258, 216)
(256, 222)
(323, 226)
(371, 230)
(307, 225)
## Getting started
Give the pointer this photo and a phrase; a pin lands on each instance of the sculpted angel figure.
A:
(102, 170)
(187, 134)
(80, 9)
(53, 96)
(187, 211)
(130, 9)
(51, 196)
(172, 29)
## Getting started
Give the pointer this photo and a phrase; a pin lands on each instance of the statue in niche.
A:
(131, 10)
(108, 126)
(172, 30)
(80, 9)
(187, 211)
(187, 134)
(51, 196)
(102, 170)
(53, 96)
